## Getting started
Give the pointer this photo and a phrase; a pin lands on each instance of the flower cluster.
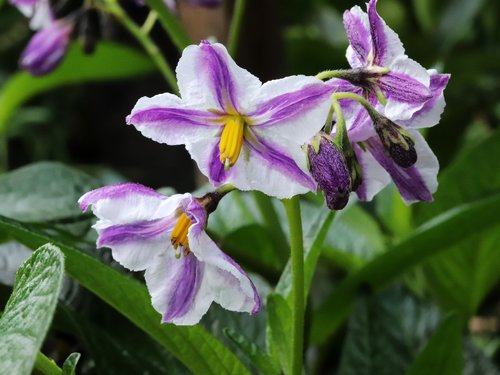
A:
(48, 46)
(351, 133)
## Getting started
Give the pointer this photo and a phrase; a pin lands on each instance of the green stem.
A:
(235, 27)
(341, 128)
(338, 73)
(148, 25)
(273, 222)
(146, 42)
(292, 208)
(46, 365)
(358, 98)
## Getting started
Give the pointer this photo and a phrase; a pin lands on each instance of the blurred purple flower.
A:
(46, 48)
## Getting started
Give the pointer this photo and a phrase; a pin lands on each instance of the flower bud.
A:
(89, 30)
(46, 48)
(329, 168)
(397, 142)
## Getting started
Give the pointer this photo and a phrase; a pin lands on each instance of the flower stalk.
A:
(292, 208)
(235, 27)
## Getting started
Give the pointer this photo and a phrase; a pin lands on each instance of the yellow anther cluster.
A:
(231, 141)
(180, 232)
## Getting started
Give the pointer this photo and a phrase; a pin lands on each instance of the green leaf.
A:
(69, 365)
(443, 353)
(375, 342)
(170, 23)
(427, 240)
(108, 62)
(260, 359)
(463, 275)
(280, 330)
(43, 191)
(394, 213)
(29, 310)
(195, 347)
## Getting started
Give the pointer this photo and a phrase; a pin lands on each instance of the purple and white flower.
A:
(47, 48)
(415, 183)
(38, 11)
(378, 57)
(185, 270)
(238, 130)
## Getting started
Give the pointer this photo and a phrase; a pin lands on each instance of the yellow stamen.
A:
(180, 232)
(231, 141)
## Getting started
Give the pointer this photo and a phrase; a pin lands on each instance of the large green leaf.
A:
(443, 353)
(375, 342)
(427, 240)
(280, 331)
(30, 308)
(196, 348)
(43, 191)
(108, 62)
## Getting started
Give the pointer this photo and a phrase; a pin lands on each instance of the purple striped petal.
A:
(197, 214)
(386, 46)
(358, 35)
(216, 172)
(404, 88)
(215, 63)
(430, 114)
(375, 178)
(273, 157)
(416, 183)
(185, 277)
(165, 119)
(137, 231)
(115, 191)
(280, 108)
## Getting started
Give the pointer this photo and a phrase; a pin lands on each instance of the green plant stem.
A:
(148, 25)
(273, 223)
(146, 42)
(46, 365)
(235, 27)
(292, 208)
(338, 73)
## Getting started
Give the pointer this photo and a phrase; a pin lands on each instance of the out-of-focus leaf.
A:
(69, 365)
(462, 276)
(427, 240)
(356, 239)
(280, 331)
(260, 359)
(443, 353)
(253, 245)
(476, 362)
(477, 171)
(108, 62)
(393, 212)
(375, 342)
(30, 308)
(43, 191)
(456, 21)
(196, 348)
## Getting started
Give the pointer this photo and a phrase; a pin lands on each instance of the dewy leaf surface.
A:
(200, 352)
(29, 310)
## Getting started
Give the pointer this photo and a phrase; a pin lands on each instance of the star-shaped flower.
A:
(185, 270)
(239, 131)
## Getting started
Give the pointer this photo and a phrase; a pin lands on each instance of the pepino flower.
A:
(330, 170)
(38, 11)
(47, 48)
(381, 68)
(239, 131)
(185, 270)
(393, 148)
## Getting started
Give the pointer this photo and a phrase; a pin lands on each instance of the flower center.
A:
(231, 141)
(180, 232)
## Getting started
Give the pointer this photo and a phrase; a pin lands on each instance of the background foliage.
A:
(397, 289)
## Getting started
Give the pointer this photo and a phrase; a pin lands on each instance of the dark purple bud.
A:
(329, 168)
(89, 30)
(397, 142)
(47, 48)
